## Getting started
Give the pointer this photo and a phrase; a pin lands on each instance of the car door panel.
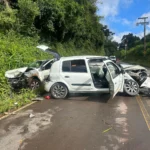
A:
(114, 77)
(44, 71)
(75, 73)
(78, 82)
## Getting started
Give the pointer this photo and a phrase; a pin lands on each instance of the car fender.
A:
(48, 85)
(127, 76)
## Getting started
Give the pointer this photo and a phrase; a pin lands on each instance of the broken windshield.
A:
(36, 64)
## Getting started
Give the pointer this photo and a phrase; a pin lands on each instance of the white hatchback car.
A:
(88, 74)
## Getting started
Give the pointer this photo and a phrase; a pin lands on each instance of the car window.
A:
(114, 70)
(48, 66)
(66, 66)
(74, 66)
(78, 66)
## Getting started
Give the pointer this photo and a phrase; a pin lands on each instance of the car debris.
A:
(31, 115)
(31, 76)
(38, 99)
(34, 74)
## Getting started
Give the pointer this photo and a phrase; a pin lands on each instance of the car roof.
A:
(112, 56)
(42, 60)
(82, 57)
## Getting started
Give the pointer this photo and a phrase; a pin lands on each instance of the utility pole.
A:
(144, 23)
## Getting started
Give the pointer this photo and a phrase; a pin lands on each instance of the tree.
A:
(130, 40)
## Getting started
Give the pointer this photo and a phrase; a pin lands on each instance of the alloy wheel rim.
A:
(59, 91)
(131, 87)
(34, 85)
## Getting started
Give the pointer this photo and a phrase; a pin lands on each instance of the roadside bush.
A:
(136, 55)
(16, 51)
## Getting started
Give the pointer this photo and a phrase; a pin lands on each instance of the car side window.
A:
(66, 66)
(74, 66)
(48, 66)
(114, 70)
(78, 66)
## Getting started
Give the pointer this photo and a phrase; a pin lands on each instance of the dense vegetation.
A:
(70, 26)
(135, 49)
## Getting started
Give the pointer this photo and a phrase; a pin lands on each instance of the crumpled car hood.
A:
(15, 72)
(132, 67)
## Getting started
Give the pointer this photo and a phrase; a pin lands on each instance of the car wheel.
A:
(131, 87)
(34, 84)
(59, 91)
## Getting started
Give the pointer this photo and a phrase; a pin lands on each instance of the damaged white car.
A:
(34, 74)
(31, 76)
(137, 72)
(88, 74)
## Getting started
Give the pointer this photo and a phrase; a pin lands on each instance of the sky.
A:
(121, 16)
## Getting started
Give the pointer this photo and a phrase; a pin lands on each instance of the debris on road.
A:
(31, 115)
(47, 97)
(107, 130)
(9, 113)
(38, 99)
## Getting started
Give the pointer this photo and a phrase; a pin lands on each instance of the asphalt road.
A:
(89, 122)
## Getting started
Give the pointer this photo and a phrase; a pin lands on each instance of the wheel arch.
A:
(54, 95)
(59, 83)
(35, 77)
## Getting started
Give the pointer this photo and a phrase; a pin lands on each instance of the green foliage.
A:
(12, 100)
(68, 20)
(110, 47)
(28, 11)
(15, 51)
(7, 19)
(130, 40)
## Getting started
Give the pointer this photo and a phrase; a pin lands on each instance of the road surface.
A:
(82, 122)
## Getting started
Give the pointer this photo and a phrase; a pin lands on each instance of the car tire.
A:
(131, 87)
(34, 84)
(59, 91)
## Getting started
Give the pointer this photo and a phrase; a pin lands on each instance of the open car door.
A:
(115, 77)
(49, 50)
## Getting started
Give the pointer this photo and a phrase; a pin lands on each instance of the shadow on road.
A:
(102, 98)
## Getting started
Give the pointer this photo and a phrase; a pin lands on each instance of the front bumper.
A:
(17, 82)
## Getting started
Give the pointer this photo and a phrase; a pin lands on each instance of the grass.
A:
(12, 100)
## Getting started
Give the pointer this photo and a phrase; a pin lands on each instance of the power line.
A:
(144, 23)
